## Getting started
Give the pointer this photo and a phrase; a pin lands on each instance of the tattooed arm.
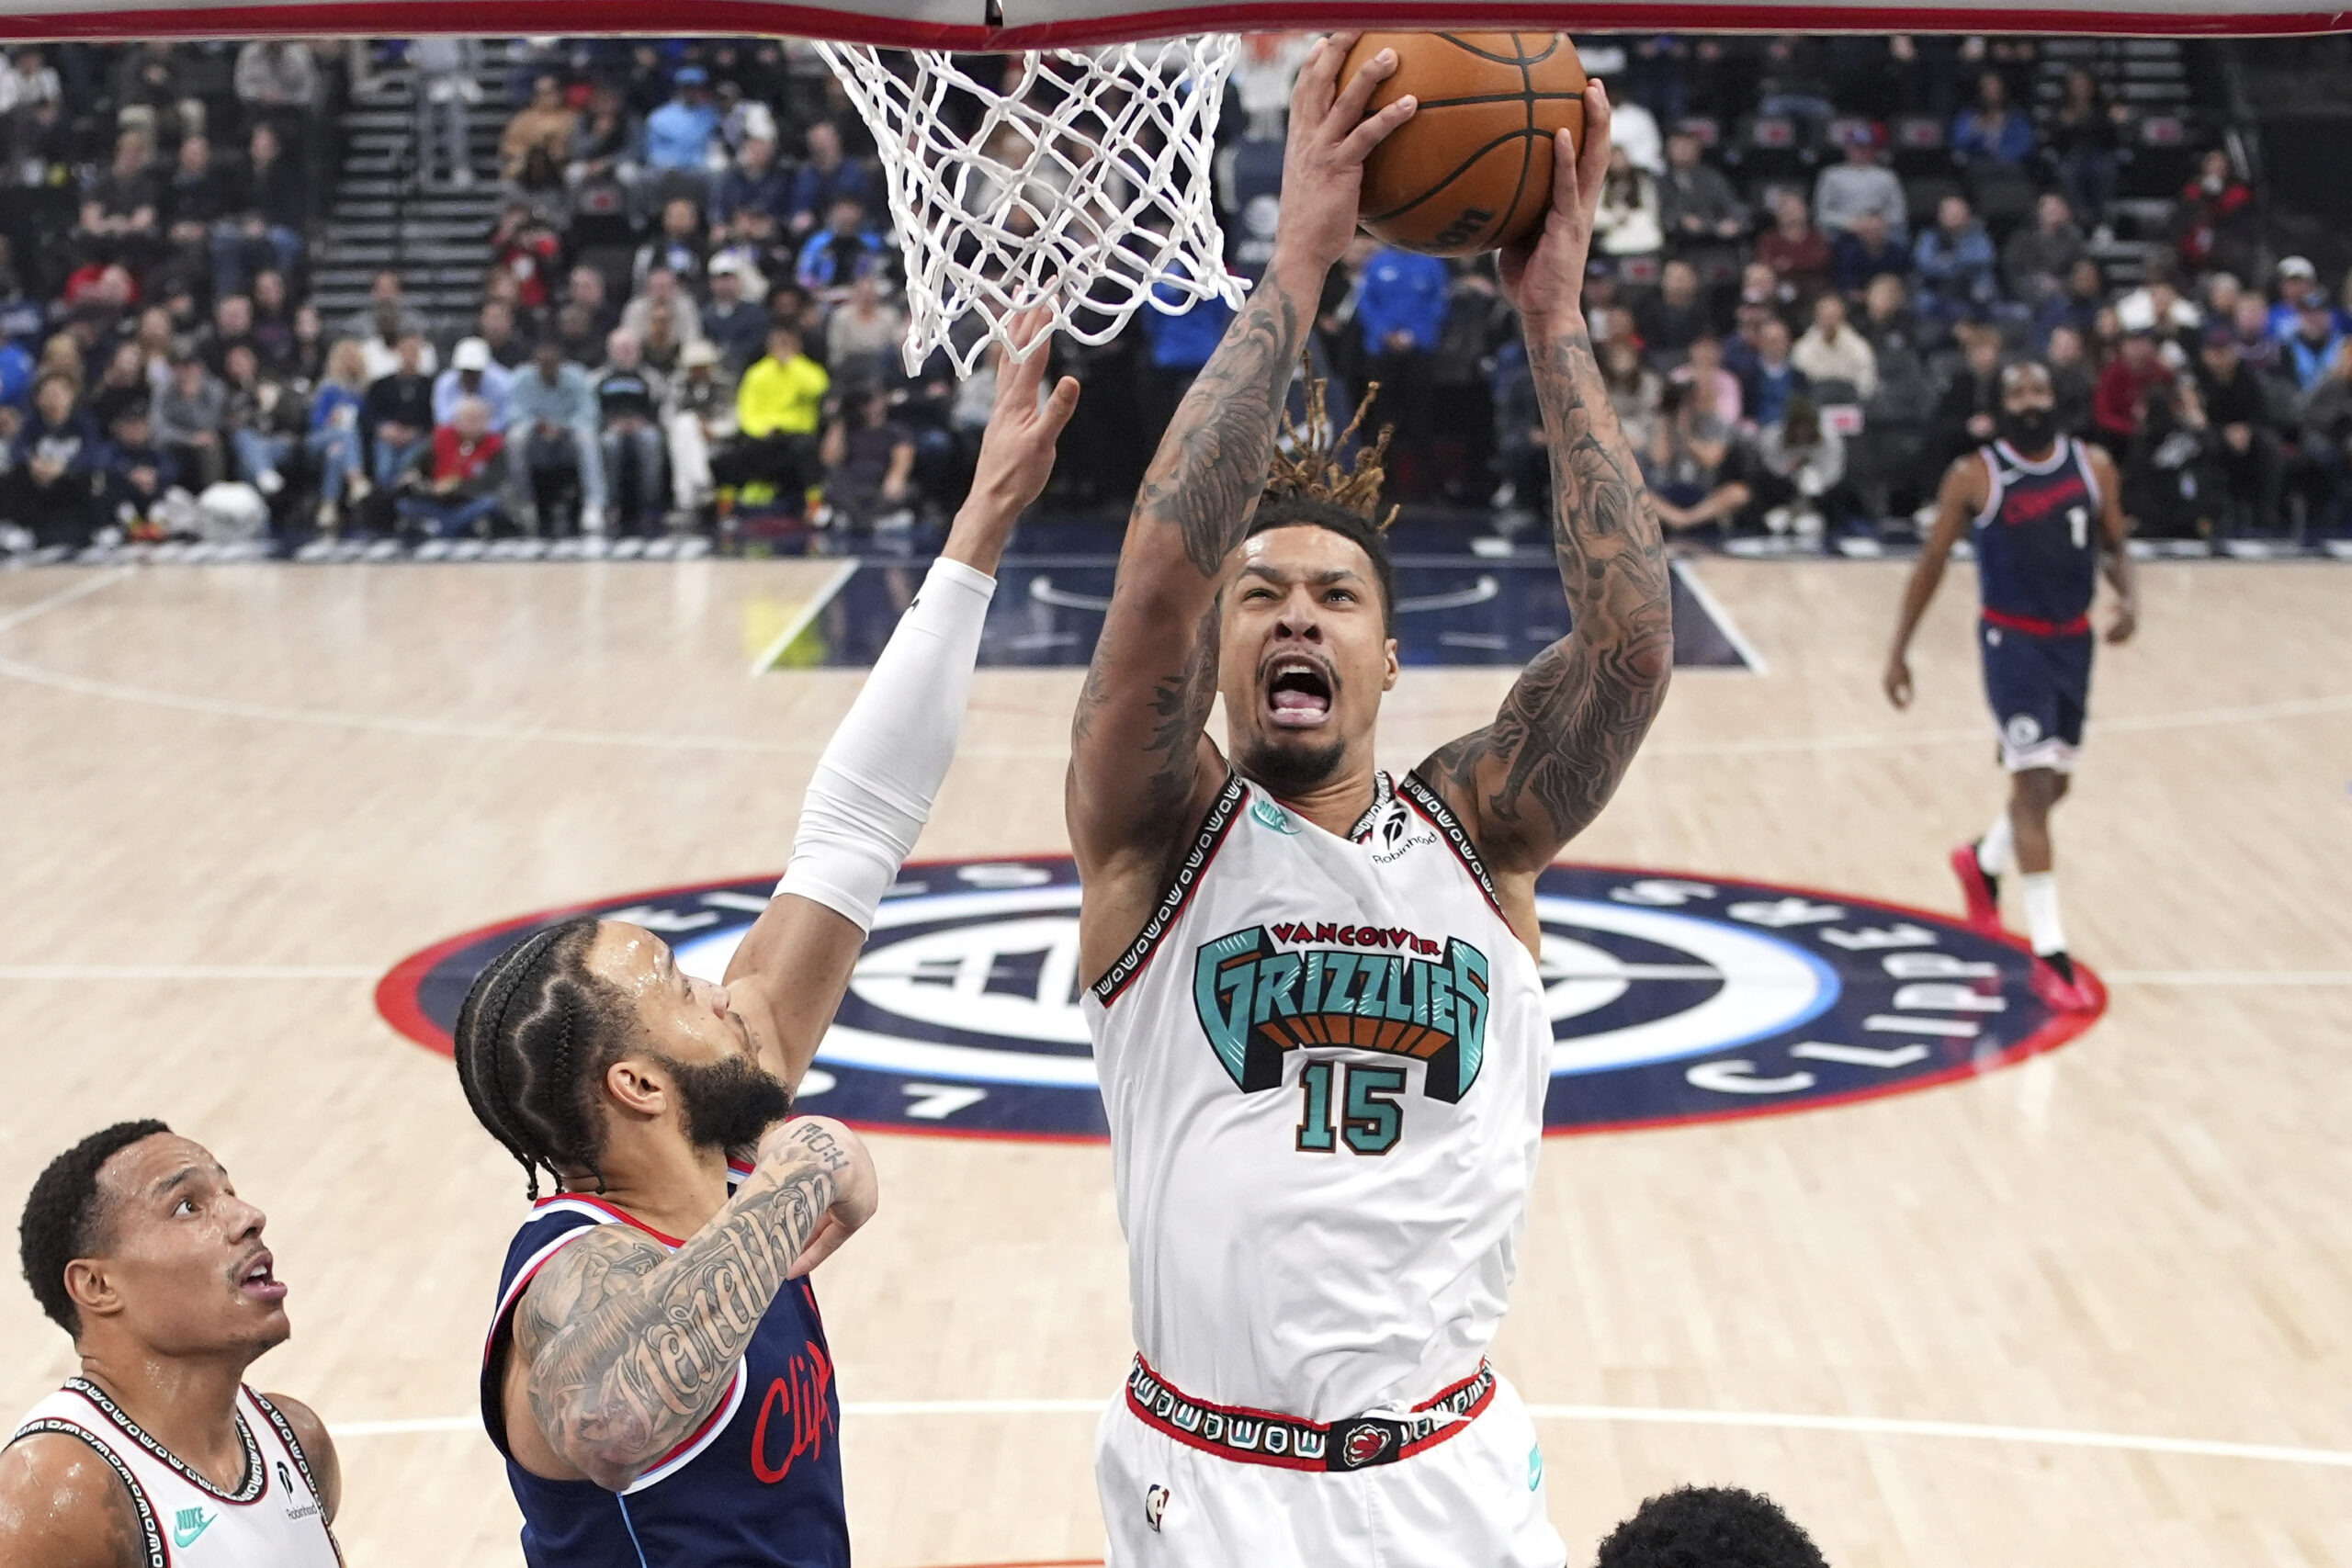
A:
(623, 1347)
(1141, 770)
(1531, 780)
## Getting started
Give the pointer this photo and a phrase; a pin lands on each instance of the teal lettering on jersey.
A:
(1256, 1001)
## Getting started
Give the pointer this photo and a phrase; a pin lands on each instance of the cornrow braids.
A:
(1308, 464)
(537, 1031)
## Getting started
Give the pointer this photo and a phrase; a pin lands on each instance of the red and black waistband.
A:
(2035, 625)
(1288, 1442)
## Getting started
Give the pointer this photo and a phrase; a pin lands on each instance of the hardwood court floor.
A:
(231, 797)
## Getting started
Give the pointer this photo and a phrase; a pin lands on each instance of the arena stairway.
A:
(378, 216)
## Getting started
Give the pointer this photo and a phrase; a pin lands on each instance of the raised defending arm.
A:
(625, 1347)
(873, 787)
(1141, 768)
(1531, 780)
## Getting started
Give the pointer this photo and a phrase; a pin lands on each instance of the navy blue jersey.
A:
(759, 1483)
(2038, 539)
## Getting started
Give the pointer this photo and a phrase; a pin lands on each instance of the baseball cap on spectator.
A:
(691, 76)
(1863, 133)
(473, 354)
(2220, 335)
(726, 262)
(698, 353)
(2297, 266)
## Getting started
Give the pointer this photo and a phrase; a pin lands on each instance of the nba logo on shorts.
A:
(1155, 1505)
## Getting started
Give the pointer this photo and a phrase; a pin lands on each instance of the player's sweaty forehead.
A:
(631, 957)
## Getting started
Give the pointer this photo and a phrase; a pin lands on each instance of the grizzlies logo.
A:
(1257, 1000)
(1672, 998)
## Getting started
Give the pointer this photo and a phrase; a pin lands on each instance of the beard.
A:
(727, 1105)
(2028, 432)
(1289, 771)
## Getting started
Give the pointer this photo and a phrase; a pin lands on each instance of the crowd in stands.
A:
(1814, 257)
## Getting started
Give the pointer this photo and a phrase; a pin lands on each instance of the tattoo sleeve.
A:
(1203, 485)
(1536, 776)
(1212, 463)
(630, 1346)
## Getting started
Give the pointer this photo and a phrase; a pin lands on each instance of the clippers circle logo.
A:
(1672, 998)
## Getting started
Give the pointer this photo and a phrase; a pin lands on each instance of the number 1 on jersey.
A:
(1374, 1119)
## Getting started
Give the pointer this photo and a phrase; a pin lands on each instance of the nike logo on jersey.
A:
(1256, 1001)
(189, 1523)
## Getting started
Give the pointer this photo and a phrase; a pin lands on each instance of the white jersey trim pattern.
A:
(1179, 888)
(1425, 800)
(249, 1491)
(148, 1526)
(270, 1520)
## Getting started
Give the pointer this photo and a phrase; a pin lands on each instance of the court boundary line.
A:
(63, 597)
(1714, 606)
(825, 594)
(33, 674)
(1591, 1414)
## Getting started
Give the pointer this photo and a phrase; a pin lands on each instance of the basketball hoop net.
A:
(1079, 180)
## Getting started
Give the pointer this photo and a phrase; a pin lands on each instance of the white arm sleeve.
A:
(873, 785)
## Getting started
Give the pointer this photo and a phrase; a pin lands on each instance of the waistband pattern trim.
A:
(1261, 1436)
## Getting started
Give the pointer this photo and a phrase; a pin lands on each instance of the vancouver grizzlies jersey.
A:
(273, 1520)
(2038, 539)
(759, 1482)
(1324, 1063)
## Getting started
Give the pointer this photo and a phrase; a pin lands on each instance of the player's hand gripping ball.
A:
(1471, 170)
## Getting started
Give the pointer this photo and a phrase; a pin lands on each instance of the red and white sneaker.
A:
(1983, 898)
(2055, 982)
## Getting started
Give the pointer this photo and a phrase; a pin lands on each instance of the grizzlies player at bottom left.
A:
(656, 1376)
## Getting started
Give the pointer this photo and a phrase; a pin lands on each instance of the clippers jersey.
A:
(274, 1518)
(759, 1483)
(2038, 539)
(1324, 1063)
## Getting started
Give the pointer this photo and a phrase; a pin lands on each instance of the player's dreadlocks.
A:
(1314, 484)
(537, 1033)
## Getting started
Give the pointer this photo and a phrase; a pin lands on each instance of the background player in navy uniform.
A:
(2046, 515)
(656, 1375)
(136, 1243)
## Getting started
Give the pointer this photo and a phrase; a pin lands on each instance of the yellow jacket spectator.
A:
(778, 407)
(783, 394)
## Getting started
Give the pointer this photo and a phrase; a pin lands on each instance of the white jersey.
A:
(273, 1520)
(1324, 1063)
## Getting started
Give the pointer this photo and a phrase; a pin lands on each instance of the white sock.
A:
(2041, 911)
(1993, 849)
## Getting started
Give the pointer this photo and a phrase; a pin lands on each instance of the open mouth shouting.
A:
(1298, 691)
(255, 1280)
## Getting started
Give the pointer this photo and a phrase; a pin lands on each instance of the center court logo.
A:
(1672, 998)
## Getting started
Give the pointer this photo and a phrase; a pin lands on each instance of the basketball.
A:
(1471, 170)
